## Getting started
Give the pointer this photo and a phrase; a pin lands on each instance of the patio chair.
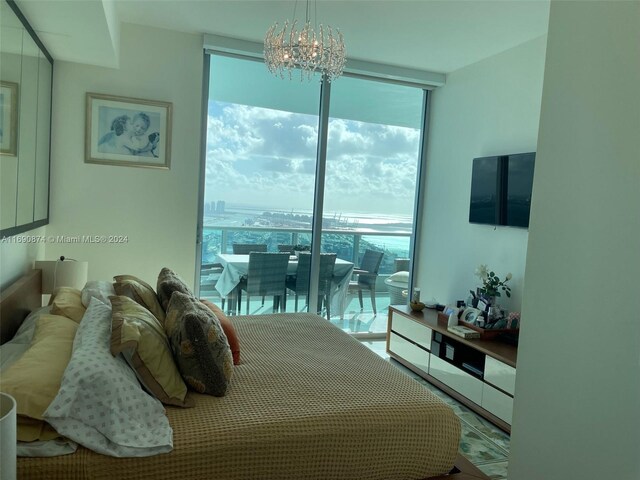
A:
(401, 264)
(209, 275)
(247, 248)
(266, 275)
(286, 249)
(367, 274)
(300, 283)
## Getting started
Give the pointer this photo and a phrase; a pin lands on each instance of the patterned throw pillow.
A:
(100, 403)
(199, 345)
(139, 336)
(141, 292)
(169, 282)
(228, 328)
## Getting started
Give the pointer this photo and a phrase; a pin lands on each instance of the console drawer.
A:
(497, 402)
(409, 352)
(455, 378)
(412, 330)
(500, 375)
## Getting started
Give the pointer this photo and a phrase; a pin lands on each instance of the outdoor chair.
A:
(209, 275)
(247, 248)
(300, 283)
(286, 249)
(266, 275)
(367, 274)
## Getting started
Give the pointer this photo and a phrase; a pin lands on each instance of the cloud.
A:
(267, 157)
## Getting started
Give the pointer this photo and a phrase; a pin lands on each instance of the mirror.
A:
(26, 73)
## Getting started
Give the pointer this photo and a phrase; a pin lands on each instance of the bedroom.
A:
(554, 246)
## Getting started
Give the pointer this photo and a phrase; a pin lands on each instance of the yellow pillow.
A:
(139, 336)
(34, 379)
(141, 292)
(67, 301)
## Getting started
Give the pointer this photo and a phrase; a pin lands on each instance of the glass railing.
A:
(348, 245)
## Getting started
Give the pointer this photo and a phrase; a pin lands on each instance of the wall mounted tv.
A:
(501, 189)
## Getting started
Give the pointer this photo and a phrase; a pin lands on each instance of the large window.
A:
(261, 182)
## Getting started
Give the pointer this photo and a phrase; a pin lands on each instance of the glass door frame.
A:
(321, 163)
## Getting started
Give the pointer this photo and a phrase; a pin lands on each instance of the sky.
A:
(266, 157)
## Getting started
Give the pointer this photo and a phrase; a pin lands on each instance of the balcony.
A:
(348, 244)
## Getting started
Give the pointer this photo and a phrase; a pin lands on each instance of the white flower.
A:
(482, 271)
(508, 277)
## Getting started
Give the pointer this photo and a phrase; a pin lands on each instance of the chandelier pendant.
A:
(307, 50)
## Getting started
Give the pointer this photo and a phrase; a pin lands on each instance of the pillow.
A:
(139, 336)
(100, 403)
(400, 277)
(67, 301)
(141, 292)
(199, 345)
(21, 341)
(34, 379)
(99, 289)
(228, 328)
(169, 282)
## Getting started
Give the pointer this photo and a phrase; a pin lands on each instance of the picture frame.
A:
(127, 131)
(470, 315)
(8, 118)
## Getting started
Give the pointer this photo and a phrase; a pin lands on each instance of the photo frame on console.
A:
(470, 315)
(127, 131)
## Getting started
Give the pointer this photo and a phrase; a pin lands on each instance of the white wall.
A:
(18, 253)
(488, 108)
(578, 383)
(155, 209)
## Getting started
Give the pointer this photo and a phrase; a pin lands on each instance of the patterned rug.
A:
(484, 444)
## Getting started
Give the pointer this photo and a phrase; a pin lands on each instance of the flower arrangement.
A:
(491, 283)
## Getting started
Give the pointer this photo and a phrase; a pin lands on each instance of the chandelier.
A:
(310, 51)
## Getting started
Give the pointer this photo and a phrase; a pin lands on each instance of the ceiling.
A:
(437, 36)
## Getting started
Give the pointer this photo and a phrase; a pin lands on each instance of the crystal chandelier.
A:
(311, 52)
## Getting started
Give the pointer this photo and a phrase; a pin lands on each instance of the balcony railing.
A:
(347, 244)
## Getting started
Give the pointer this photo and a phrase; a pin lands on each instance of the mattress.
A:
(307, 402)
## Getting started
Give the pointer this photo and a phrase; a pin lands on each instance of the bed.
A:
(307, 401)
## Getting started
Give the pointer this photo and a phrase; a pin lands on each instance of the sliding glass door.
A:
(274, 171)
(373, 152)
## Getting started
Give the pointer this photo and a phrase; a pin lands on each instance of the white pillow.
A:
(400, 277)
(99, 289)
(100, 403)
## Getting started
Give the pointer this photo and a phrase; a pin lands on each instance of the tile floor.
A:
(485, 445)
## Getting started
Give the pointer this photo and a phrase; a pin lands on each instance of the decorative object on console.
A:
(127, 131)
(417, 306)
(288, 48)
(64, 272)
(491, 284)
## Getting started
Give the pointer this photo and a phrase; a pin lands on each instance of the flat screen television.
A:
(501, 189)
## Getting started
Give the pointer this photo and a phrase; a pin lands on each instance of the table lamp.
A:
(64, 272)
(8, 442)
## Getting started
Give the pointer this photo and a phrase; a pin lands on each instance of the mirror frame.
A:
(11, 231)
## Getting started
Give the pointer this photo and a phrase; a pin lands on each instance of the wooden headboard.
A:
(17, 301)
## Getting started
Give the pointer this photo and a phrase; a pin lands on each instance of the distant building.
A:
(220, 206)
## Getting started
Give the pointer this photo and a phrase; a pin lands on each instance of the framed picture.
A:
(470, 315)
(127, 131)
(8, 118)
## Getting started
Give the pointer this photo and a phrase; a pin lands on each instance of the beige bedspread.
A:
(307, 402)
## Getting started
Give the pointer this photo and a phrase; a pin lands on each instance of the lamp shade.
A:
(8, 441)
(62, 273)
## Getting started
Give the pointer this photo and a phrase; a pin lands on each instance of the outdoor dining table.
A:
(236, 266)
